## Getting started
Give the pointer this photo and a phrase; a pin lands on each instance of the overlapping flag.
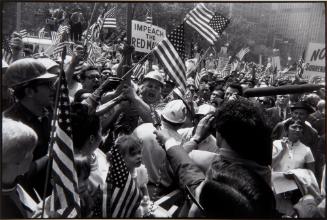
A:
(206, 22)
(171, 53)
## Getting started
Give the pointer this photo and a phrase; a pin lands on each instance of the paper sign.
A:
(315, 56)
(146, 36)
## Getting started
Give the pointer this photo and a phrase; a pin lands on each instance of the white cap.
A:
(175, 111)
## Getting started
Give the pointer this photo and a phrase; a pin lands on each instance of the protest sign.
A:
(315, 56)
(146, 36)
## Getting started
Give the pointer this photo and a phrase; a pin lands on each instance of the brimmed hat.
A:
(303, 105)
(175, 112)
(25, 70)
(47, 62)
(155, 75)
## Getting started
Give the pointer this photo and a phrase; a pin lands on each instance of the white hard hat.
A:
(155, 75)
(205, 109)
(175, 111)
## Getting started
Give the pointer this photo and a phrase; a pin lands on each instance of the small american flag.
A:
(198, 77)
(123, 196)
(226, 71)
(208, 24)
(55, 37)
(110, 19)
(78, 67)
(63, 28)
(139, 71)
(23, 33)
(171, 53)
(6, 51)
(148, 16)
(42, 33)
(60, 46)
(240, 55)
(65, 198)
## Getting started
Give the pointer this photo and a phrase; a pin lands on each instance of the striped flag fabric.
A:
(226, 71)
(63, 28)
(6, 51)
(79, 67)
(55, 38)
(171, 53)
(240, 55)
(23, 33)
(206, 22)
(60, 47)
(121, 194)
(41, 33)
(198, 77)
(110, 19)
(148, 16)
(65, 198)
(139, 71)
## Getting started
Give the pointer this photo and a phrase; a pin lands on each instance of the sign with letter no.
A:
(316, 57)
(146, 36)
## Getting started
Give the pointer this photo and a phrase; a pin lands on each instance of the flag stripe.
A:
(169, 57)
(133, 200)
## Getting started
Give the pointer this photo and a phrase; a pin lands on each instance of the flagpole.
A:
(53, 129)
(88, 26)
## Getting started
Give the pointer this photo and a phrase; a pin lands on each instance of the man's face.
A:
(300, 114)
(92, 79)
(283, 100)
(44, 93)
(205, 92)
(151, 91)
(230, 92)
(217, 97)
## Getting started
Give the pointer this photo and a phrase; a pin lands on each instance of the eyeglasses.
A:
(93, 77)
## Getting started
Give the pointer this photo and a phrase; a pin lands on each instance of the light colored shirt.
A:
(295, 156)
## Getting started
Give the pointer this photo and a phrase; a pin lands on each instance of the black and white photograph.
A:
(157, 109)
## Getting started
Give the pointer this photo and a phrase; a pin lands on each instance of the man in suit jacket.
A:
(280, 112)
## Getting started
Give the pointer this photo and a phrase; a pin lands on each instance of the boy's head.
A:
(18, 143)
(131, 149)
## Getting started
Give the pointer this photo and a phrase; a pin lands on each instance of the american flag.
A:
(63, 28)
(6, 51)
(226, 71)
(171, 53)
(60, 46)
(148, 16)
(208, 24)
(110, 19)
(65, 198)
(55, 37)
(41, 33)
(139, 71)
(78, 67)
(198, 77)
(123, 196)
(23, 33)
(240, 55)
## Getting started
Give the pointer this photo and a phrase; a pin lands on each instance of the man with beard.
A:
(34, 90)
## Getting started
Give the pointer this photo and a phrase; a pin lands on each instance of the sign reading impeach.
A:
(146, 36)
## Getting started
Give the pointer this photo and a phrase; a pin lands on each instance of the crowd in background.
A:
(239, 156)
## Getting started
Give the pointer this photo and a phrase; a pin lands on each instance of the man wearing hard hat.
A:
(140, 105)
(34, 91)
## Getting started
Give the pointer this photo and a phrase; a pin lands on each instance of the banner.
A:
(315, 56)
(146, 36)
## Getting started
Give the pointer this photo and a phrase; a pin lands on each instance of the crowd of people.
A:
(236, 156)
